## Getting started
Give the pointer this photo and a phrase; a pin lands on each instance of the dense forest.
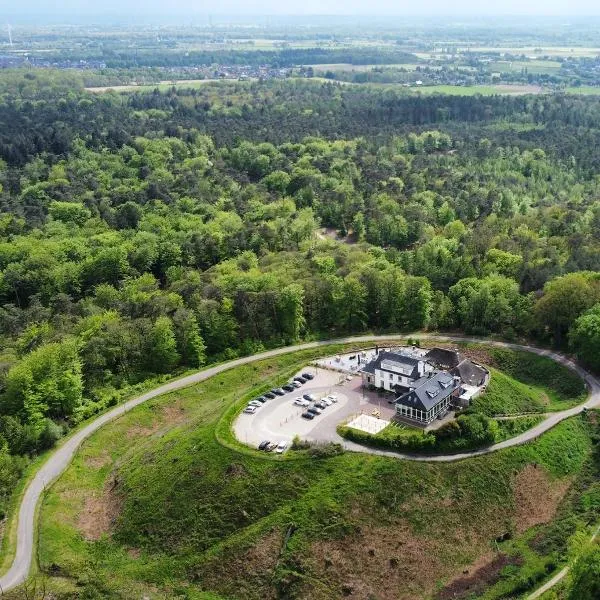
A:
(146, 234)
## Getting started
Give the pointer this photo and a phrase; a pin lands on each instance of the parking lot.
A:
(280, 419)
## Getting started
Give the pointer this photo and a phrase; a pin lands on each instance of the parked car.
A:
(281, 447)
(326, 401)
(271, 447)
(264, 445)
(255, 403)
(278, 392)
(321, 405)
(301, 402)
(260, 399)
(308, 415)
(269, 395)
(309, 397)
(250, 410)
(296, 384)
(308, 376)
(288, 388)
(300, 380)
(314, 410)
(332, 397)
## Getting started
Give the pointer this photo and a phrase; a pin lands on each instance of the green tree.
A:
(586, 576)
(584, 337)
(290, 310)
(564, 299)
(190, 344)
(162, 346)
(47, 382)
(69, 212)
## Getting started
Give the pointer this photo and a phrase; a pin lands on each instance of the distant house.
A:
(394, 371)
(429, 397)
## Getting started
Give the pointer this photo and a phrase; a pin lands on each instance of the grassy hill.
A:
(154, 505)
(523, 382)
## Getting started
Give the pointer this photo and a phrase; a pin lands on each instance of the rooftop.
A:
(394, 362)
(426, 392)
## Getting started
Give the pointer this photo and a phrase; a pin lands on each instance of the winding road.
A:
(59, 460)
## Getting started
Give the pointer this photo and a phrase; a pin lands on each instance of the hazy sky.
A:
(304, 7)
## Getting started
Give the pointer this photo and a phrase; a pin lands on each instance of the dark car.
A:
(263, 445)
(308, 415)
(278, 391)
(300, 379)
(321, 405)
(288, 388)
(308, 376)
(313, 411)
(309, 397)
(269, 395)
(260, 399)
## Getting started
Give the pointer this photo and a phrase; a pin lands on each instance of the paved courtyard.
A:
(280, 419)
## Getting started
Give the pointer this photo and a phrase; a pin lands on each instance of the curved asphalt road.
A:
(61, 458)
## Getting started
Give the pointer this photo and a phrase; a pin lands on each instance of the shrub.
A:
(49, 435)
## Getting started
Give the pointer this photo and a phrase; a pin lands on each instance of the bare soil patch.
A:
(387, 563)
(248, 574)
(485, 572)
(99, 512)
(536, 497)
(99, 461)
(167, 416)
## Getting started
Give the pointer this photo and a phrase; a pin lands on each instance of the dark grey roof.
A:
(410, 364)
(444, 358)
(429, 391)
(470, 372)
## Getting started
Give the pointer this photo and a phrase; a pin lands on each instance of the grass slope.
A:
(155, 505)
(523, 382)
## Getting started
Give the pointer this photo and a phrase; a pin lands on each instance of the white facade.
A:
(392, 373)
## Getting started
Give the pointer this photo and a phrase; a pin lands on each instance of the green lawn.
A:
(201, 520)
(472, 90)
(522, 382)
(550, 67)
(584, 90)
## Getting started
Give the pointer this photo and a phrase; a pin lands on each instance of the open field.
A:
(532, 66)
(584, 90)
(163, 85)
(361, 68)
(450, 90)
(484, 90)
(535, 51)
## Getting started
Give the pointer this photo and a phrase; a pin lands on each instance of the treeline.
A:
(119, 58)
(45, 112)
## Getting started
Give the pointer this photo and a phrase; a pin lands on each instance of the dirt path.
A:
(62, 456)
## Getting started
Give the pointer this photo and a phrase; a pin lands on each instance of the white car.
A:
(332, 397)
(296, 384)
(327, 401)
(281, 447)
(255, 403)
(301, 402)
(250, 410)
